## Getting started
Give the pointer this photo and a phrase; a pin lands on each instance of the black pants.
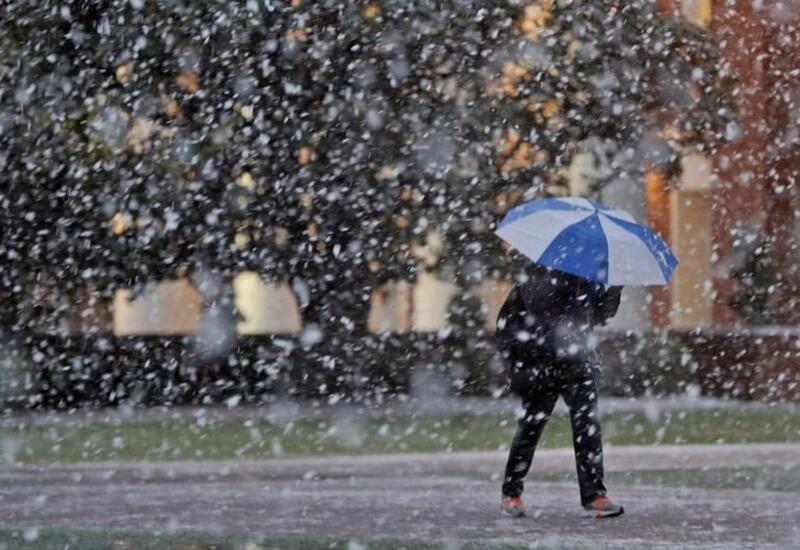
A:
(540, 388)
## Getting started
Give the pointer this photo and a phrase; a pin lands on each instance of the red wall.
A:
(758, 173)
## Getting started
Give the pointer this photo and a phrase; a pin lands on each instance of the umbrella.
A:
(588, 239)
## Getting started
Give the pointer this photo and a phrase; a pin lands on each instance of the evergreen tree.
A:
(318, 143)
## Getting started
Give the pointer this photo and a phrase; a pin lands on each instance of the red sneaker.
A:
(512, 506)
(604, 507)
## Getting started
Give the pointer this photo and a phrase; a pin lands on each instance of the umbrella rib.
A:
(666, 260)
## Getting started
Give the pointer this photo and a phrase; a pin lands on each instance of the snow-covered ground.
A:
(412, 496)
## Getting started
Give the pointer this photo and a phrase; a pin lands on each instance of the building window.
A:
(697, 11)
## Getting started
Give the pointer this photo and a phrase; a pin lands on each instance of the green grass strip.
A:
(259, 439)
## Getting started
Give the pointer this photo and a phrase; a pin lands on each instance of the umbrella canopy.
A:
(588, 239)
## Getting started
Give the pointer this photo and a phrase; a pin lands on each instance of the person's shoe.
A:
(512, 506)
(604, 507)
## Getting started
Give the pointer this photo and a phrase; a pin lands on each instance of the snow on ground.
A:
(416, 496)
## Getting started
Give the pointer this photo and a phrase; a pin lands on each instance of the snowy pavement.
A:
(417, 496)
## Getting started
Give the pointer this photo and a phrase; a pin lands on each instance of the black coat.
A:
(551, 315)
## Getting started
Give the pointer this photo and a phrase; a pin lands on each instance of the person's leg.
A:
(538, 403)
(580, 395)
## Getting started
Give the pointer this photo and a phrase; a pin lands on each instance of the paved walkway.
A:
(417, 496)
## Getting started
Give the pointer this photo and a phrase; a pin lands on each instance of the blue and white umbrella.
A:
(588, 239)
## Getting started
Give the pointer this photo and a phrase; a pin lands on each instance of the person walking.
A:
(583, 253)
(544, 333)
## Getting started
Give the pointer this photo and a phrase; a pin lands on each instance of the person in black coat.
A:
(544, 333)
